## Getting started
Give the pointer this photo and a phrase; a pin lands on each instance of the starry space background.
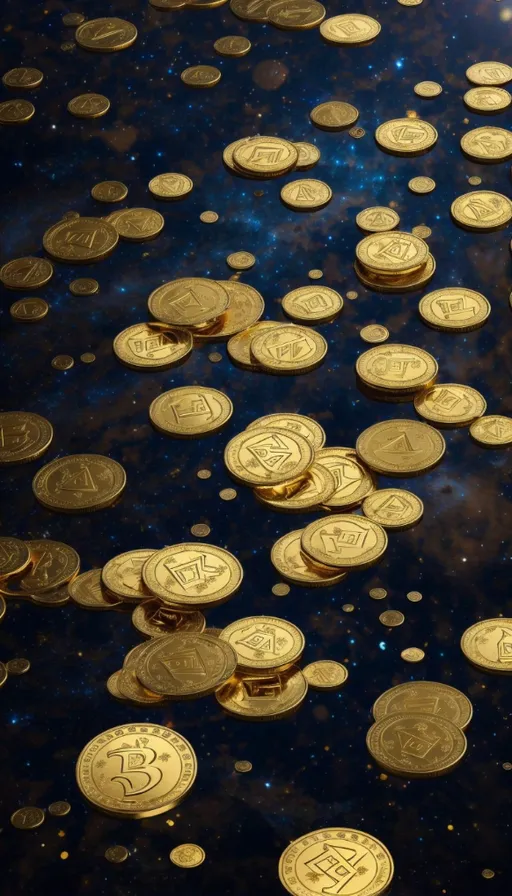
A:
(313, 770)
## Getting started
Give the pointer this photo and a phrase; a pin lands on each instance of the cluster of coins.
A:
(39, 570)
(392, 261)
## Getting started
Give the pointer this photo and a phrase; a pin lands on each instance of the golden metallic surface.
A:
(116, 854)
(106, 35)
(487, 144)
(482, 210)
(421, 184)
(487, 644)
(318, 486)
(81, 240)
(14, 556)
(489, 73)
(245, 308)
(29, 310)
(454, 309)
(393, 508)
(243, 766)
(79, 482)
(309, 155)
(23, 78)
(59, 808)
(209, 217)
(398, 368)
(289, 349)
(416, 745)
(377, 219)
(378, 593)
(325, 675)
(87, 591)
(392, 618)
(305, 426)
(392, 253)
(298, 15)
(187, 855)
(400, 447)
(406, 136)
(89, 105)
(431, 697)
(334, 115)
(413, 655)
(235, 45)
(353, 481)
(374, 333)
(344, 541)
(136, 224)
(53, 564)
(28, 818)
(16, 111)
(400, 282)
(263, 696)
(251, 10)
(190, 411)
(239, 346)
(144, 346)
(190, 576)
(264, 643)
(414, 596)
(422, 231)
(63, 362)
(315, 274)
(185, 664)
(265, 156)
(427, 89)
(154, 620)
(241, 261)
(200, 76)
(312, 304)
(23, 437)
(109, 191)
(122, 575)
(188, 301)
(26, 273)
(170, 186)
(268, 456)
(493, 431)
(350, 28)
(487, 100)
(84, 286)
(450, 404)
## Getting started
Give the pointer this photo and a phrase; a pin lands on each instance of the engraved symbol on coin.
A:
(81, 240)
(109, 191)
(136, 224)
(23, 436)
(14, 556)
(416, 744)
(400, 368)
(392, 253)
(312, 303)
(325, 675)
(28, 818)
(232, 46)
(26, 273)
(351, 28)
(79, 482)
(492, 430)
(266, 457)
(190, 411)
(201, 76)
(289, 349)
(454, 308)
(192, 575)
(16, 111)
(378, 219)
(141, 346)
(430, 697)
(398, 447)
(451, 404)
(188, 855)
(25, 78)
(170, 186)
(265, 156)
(488, 644)
(482, 210)
(106, 35)
(405, 135)
(89, 105)
(393, 508)
(493, 73)
(344, 541)
(334, 115)
(306, 194)
(487, 144)
(29, 309)
(188, 301)
(487, 99)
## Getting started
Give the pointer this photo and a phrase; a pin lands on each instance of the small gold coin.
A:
(23, 77)
(413, 655)
(170, 186)
(398, 368)
(63, 362)
(251, 10)
(414, 596)
(281, 589)
(487, 100)
(88, 358)
(421, 184)
(392, 618)
(374, 333)
(316, 304)
(263, 696)
(72, 19)
(215, 357)
(393, 508)
(201, 76)
(53, 564)
(416, 745)
(81, 240)
(487, 144)
(84, 286)
(190, 411)
(192, 575)
(486, 644)
(454, 308)
(378, 593)
(297, 16)
(168, 4)
(428, 89)
(163, 756)
(357, 132)
(239, 346)
(87, 591)
(122, 575)
(89, 105)
(451, 404)
(289, 349)
(430, 697)
(209, 217)
(187, 855)
(319, 484)
(204, 474)
(306, 195)
(79, 482)
(400, 447)
(353, 481)
(26, 273)
(232, 46)
(351, 28)
(315, 274)
(295, 566)
(305, 426)
(228, 494)
(397, 283)
(488, 873)
(106, 35)
(136, 224)
(143, 346)
(406, 136)
(422, 231)
(16, 111)
(28, 818)
(264, 643)
(242, 766)
(188, 301)
(56, 598)
(482, 210)
(377, 219)
(265, 156)
(14, 556)
(493, 430)
(344, 541)
(245, 307)
(23, 437)
(325, 675)
(59, 808)
(116, 854)
(475, 181)
(309, 864)
(334, 115)
(392, 253)
(268, 456)
(489, 73)
(29, 310)
(109, 191)
(241, 261)
(164, 664)
(309, 155)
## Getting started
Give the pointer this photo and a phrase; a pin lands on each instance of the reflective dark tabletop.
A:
(312, 770)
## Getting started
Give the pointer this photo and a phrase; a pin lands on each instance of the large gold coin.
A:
(154, 620)
(416, 745)
(79, 482)
(430, 697)
(122, 575)
(334, 115)
(16, 111)
(292, 564)
(264, 643)
(23, 437)
(398, 368)
(482, 210)
(232, 46)
(377, 219)
(190, 411)
(188, 301)
(80, 240)
(106, 35)
(89, 105)
(14, 556)
(251, 10)
(400, 447)
(336, 859)
(492, 431)
(186, 664)
(487, 100)
(306, 195)
(489, 73)
(239, 346)
(136, 224)
(265, 156)
(245, 308)
(351, 28)
(305, 426)
(400, 282)
(392, 253)
(487, 144)
(454, 308)
(313, 304)
(87, 591)
(309, 155)
(53, 564)
(345, 541)
(393, 508)
(325, 675)
(268, 456)
(297, 16)
(353, 482)
(290, 349)
(188, 576)
(318, 486)
(406, 136)
(488, 645)
(451, 404)
(136, 770)
(109, 191)
(170, 186)
(144, 346)
(23, 77)
(26, 273)
(265, 697)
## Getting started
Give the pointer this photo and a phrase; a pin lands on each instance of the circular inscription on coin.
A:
(81, 240)
(186, 664)
(122, 575)
(400, 447)
(392, 618)
(28, 818)
(28, 310)
(16, 111)
(421, 184)
(487, 144)
(79, 482)
(486, 644)
(398, 368)
(312, 303)
(450, 403)
(154, 620)
(187, 855)
(289, 349)
(374, 333)
(400, 283)
(190, 411)
(265, 156)
(84, 286)
(59, 808)
(304, 426)
(294, 565)
(430, 697)
(87, 591)
(192, 575)
(264, 642)
(487, 100)
(109, 191)
(53, 564)
(344, 541)
(493, 430)
(454, 308)
(136, 770)
(334, 115)
(263, 696)
(170, 186)
(239, 346)
(297, 16)
(422, 231)
(23, 77)
(144, 346)
(188, 301)
(245, 307)
(377, 219)
(136, 224)
(489, 73)
(353, 481)
(23, 437)
(209, 217)
(393, 508)
(201, 76)
(428, 89)
(309, 155)
(482, 210)
(26, 273)
(241, 261)
(413, 655)
(232, 46)
(325, 675)
(307, 194)
(63, 362)
(89, 105)
(14, 556)
(404, 136)
(268, 456)
(351, 28)
(106, 35)
(416, 745)
(392, 253)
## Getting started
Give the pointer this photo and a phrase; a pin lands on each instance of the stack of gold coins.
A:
(395, 372)
(278, 348)
(393, 261)
(40, 569)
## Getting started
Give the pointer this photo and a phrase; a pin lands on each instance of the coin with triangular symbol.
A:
(393, 508)
(306, 195)
(493, 431)
(482, 210)
(400, 447)
(488, 645)
(416, 745)
(79, 482)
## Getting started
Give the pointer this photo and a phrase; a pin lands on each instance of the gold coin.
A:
(23, 77)
(241, 261)
(84, 286)
(190, 411)
(400, 282)
(392, 618)
(164, 759)
(400, 447)
(487, 100)
(59, 808)
(130, 688)
(187, 855)
(357, 132)
(428, 89)
(292, 564)
(430, 697)
(227, 155)
(317, 304)
(416, 745)
(29, 310)
(71, 19)
(421, 184)
(309, 155)
(106, 35)
(344, 541)
(28, 818)
(334, 115)
(201, 76)
(87, 358)
(89, 105)
(493, 430)
(289, 349)
(63, 362)
(296, 16)
(16, 111)
(264, 643)
(116, 854)
(56, 598)
(451, 404)
(243, 766)
(422, 231)
(14, 556)
(318, 486)
(315, 274)
(306, 195)
(122, 575)
(489, 73)
(265, 156)
(487, 644)
(414, 596)
(186, 664)
(136, 224)
(325, 675)
(378, 593)
(377, 219)
(188, 301)
(413, 655)
(475, 181)
(239, 346)
(53, 564)
(482, 210)
(374, 333)
(109, 191)
(353, 481)
(406, 136)
(87, 591)
(351, 28)
(331, 857)
(399, 368)
(143, 346)
(168, 4)
(393, 508)
(81, 240)
(23, 437)
(487, 144)
(26, 273)
(170, 186)
(245, 308)
(454, 308)
(410, 2)
(190, 576)
(281, 589)
(268, 456)
(153, 620)
(79, 482)
(392, 253)
(305, 426)
(232, 46)
(209, 217)
(251, 10)
(261, 696)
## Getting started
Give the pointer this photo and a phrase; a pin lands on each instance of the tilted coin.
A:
(188, 301)
(106, 35)
(79, 482)
(488, 645)
(16, 111)
(263, 696)
(144, 346)
(399, 368)
(392, 253)
(318, 486)
(63, 362)
(265, 156)
(493, 430)
(292, 564)
(209, 217)
(14, 556)
(309, 155)
(330, 857)
(116, 854)
(325, 675)
(268, 456)
(400, 447)
(378, 593)
(454, 308)
(136, 224)
(80, 241)
(23, 437)
(89, 105)
(59, 808)
(87, 591)
(307, 194)
(131, 689)
(241, 261)
(416, 745)
(377, 219)
(406, 136)
(232, 46)
(28, 818)
(239, 346)
(487, 144)
(187, 855)
(414, 596)
(430, 697)
(392, 618)
(251, 10)
(410, 2)
(122, 575)
(451, 404)
(344, 541)
(3, 605)
(482, 210)
(53, 564)
(112, 685)
(316, 304)
(334, 115)
(397, 283)
(170, 186)
(205, 4)
(422, 231)
(413, 655)
(305, 426)
(190, 576)
(264, 643)
(228, 152)
(186, 664)
(72, 19)
(57, 598)
(296, 16)
(26, 273)
(353, 481)
(487, 100)
(23, 77)
(289, 349)
(190, 411)
(84, 286)
(421, 184)
(154, 620)
(393, 508)
(136, 770)
(374, 333)
(245, 308)
(428, 89)
(29, 310)
(201, 76)
(489, 73)
(351, 28)
(109, 191)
